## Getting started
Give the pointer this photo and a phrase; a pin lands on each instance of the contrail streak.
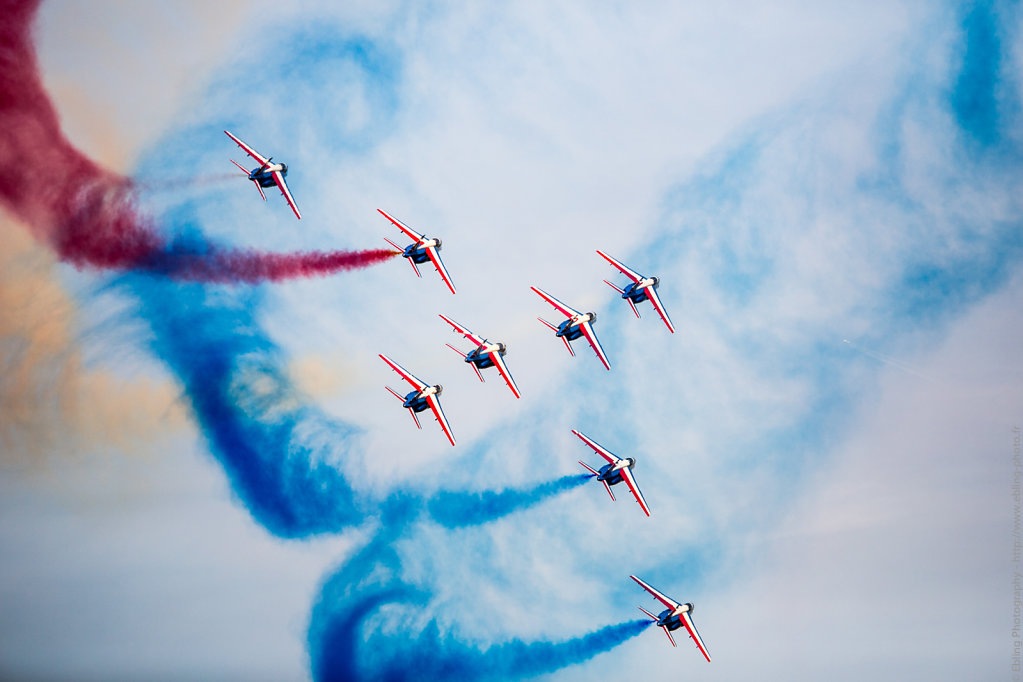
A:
(888, 360)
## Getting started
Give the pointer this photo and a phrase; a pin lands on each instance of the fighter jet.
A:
(423, 396)
(267, 174)
(641, 289)
(673, 617)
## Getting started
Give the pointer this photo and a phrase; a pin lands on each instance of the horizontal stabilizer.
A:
(620, 291)
(633, 304)
(652, 616)
(552, 327)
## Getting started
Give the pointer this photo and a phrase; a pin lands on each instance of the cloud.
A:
(852, 211)
(51, 402)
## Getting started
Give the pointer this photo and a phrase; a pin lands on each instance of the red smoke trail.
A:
(85, 212)
(237, 265)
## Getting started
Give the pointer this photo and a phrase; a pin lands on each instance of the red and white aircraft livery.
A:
(485, 355)
(422, 397)
(267, 174)
(616, 470)
(420, 250)
(673, 617)
(641, 289)
(578, 324)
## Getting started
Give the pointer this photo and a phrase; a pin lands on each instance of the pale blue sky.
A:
(795, 175)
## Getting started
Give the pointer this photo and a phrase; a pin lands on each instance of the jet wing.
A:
(598, 448)
(498, 361)
(630, 481)
(565, 310)
(405, 374)
(668, 603)
(434, 403)
(631, 274)
(279, 179)
(591, 336)
(431, 251)
(659, 307)
(249, 150)
(691, 627)
(409, 232)
(475, 338)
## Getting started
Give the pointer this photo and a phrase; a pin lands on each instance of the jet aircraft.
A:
(616, 470)
(424, 396)
(485, 355)
(641, 289)
(420, 250)
(267, 174)
(578, 324)
(673, 617)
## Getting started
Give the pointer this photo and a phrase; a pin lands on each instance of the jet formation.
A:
(485, 354)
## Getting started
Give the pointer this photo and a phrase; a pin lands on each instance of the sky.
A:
(208, 480)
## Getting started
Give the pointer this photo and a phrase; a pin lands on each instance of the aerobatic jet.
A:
(578, 324)
(420, 250)
(267, 174)
(485, 355)
(673, 617)
(424, 396)
(616, 470)
(641, 289)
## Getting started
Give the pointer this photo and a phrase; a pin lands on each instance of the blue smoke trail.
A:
(362, 627)
(281, 455)
(285, 458)
(975, 98)
(431, 656)
(459, 509)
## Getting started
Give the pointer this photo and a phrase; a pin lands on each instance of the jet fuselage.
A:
(264, 176)
(572, 328)
(637, 290)
(481, 356)
(672, 618)
(612, 473)
(417, 400)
